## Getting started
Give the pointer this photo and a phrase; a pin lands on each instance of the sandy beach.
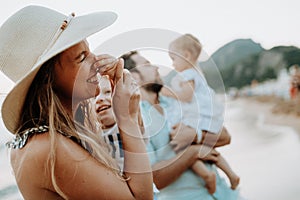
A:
(264, 152)
(278, 111)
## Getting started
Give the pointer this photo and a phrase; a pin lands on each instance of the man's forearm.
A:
(168, 171)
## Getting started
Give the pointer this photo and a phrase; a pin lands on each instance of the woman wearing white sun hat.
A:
(53, 155)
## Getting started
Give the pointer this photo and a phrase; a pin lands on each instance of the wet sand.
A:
(265, 150)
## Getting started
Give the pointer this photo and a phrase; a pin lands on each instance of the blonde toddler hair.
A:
(190, 43)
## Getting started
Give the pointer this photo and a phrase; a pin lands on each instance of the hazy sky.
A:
(214, 22)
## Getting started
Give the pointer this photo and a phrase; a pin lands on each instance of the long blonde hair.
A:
(43, 107)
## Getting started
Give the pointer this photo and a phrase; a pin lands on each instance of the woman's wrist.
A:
(127, 123)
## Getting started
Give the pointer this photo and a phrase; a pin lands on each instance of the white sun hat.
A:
(31, 37)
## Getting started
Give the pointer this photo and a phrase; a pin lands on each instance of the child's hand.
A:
(182, 136)
(207, 153)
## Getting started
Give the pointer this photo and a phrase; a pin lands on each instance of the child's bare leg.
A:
(208, 176)
(224, 166)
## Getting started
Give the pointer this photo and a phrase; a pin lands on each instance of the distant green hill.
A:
(241, 61)
(225, 57)
(262, 66)
(235, 51)
(290, 54)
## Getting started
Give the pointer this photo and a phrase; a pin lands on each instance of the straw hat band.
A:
(63, 26)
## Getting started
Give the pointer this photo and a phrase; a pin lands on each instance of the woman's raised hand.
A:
(126, 95)
(126, 99)
(109, 65)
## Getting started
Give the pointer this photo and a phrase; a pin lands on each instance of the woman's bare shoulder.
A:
(77, 173)
(38, 148)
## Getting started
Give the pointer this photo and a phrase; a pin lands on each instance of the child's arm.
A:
(216, 140)
(182, 136)
(185, 92)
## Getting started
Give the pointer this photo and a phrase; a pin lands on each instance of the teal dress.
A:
(188, 185)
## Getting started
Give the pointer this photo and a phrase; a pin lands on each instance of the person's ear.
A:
(187, 55)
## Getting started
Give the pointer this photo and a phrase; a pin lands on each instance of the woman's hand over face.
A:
(126, 98)
(109, 65)
(126, 95)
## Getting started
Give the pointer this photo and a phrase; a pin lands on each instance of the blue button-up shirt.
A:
(188, 185)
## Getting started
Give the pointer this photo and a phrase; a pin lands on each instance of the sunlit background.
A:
(255, 45)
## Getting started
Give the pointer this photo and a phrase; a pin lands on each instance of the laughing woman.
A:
(54, 156)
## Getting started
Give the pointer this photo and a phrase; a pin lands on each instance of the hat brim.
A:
(80, 28)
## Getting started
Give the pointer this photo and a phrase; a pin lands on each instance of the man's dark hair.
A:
(128, 62)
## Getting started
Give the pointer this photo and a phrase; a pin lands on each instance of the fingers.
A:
(119, 75)
(119, 71)
(207, 153)
(104, 61)
(108, 65)
(127, 79)
(174, 130)
(211, 158)
(130, 89)
(215, 152)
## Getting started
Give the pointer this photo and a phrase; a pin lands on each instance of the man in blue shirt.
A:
(171, 172)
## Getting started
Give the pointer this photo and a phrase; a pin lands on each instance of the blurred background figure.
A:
(295, 82)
